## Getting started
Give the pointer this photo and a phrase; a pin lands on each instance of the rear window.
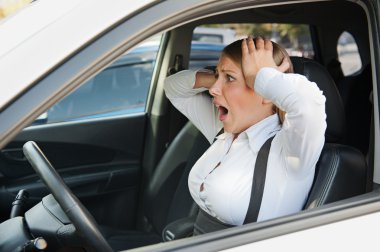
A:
(295, 38)
(348, 54)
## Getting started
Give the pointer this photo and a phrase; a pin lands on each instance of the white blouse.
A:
(293, 154)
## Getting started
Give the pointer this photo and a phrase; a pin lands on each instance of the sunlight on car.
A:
(8, 7)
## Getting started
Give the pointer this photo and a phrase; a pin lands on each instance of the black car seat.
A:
(340, 172)
(356, 90)
(167, 197)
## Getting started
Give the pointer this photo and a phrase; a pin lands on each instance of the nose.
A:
(215, 89)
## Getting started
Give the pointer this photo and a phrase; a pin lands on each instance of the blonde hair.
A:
(233, 51)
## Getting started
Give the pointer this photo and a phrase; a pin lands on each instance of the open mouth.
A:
(223, 112)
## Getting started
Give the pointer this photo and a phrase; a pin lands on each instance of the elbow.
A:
(314, 109)
(170, 87)
(168, 83)
(309, 112)
(313, 114)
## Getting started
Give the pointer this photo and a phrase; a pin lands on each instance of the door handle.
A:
(15, 155)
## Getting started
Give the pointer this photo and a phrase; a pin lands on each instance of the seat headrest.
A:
(315, 72)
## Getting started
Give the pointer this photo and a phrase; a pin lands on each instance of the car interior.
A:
(130, 171)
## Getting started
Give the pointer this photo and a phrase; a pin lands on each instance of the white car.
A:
(120, 178)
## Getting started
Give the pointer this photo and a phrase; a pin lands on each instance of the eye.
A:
(230, 78)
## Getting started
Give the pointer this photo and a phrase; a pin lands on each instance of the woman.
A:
(254, 97)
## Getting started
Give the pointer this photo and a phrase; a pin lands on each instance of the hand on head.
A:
(256, 55)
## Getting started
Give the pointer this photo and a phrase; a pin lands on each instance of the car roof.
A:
(52, 26)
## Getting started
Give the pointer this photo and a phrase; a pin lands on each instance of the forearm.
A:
(182, 85)
(302, 134)
(288, 90)
(192, 102)
(204, 79)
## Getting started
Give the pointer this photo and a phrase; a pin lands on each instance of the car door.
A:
(94, 137)
(300, 226)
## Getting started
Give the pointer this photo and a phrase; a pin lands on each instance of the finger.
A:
(268, 45)
(251, 44)
(259, 42)
(244, 47)
(284, 66)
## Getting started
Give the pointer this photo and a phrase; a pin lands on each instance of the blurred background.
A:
(7, 7)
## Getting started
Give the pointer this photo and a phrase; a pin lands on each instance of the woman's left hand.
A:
(256, 55)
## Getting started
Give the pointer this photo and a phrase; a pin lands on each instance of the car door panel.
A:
(99, 159)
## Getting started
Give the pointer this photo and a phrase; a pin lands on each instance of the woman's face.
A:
(239, 106)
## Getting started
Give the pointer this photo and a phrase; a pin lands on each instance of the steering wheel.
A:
(75, 211)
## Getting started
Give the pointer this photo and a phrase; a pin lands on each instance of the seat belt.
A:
(219, 133)
(258, 182)
(206, 223)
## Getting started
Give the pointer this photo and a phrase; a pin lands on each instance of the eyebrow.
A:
(224, 70)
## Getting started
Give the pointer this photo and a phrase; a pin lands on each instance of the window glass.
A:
(210, 38)
(121, 88)
(348, 54)
(295, 38)
(204, 54)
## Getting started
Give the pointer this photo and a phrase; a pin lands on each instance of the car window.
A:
(204, 54)
(295, 38)
(121, 88)
(348, 54)
(214, 35)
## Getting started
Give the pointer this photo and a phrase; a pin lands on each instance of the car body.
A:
(50, 48)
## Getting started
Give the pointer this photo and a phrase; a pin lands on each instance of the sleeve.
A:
(302, 133)
(193, 102)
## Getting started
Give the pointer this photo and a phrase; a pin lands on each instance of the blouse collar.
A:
(258, 133)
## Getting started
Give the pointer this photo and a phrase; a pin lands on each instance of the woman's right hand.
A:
(256, 55)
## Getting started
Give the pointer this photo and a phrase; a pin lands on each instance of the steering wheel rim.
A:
(74, 209)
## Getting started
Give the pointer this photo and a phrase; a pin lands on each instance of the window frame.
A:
(44, 118)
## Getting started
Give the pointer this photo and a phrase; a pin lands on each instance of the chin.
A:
(231, 130)
(226, 129)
